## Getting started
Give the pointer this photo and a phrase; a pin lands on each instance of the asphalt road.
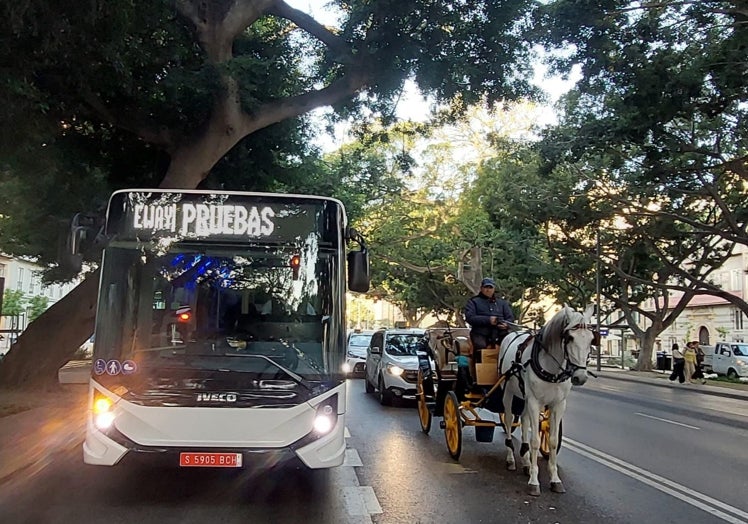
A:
(632, 453)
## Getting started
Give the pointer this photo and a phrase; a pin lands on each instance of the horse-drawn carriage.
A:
(531, 375)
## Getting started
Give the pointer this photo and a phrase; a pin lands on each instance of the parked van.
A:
(727, 358)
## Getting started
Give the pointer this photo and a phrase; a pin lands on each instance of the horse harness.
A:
(534, 361)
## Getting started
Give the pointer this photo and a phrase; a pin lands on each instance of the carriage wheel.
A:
(452, 425)
(424, 414)
(545, 434)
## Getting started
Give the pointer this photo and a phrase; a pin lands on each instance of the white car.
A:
(727, 358)
(355, 352)
(392, 364)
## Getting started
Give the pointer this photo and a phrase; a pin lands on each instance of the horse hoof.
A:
(511, 467)
(534, 490)
(558, 487)
(526, 470)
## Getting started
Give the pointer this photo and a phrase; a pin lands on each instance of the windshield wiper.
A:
(185, 357)
(297, 378)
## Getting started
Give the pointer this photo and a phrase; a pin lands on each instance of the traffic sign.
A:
(603, 332)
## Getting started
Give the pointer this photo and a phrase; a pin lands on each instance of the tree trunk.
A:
(52, 339)
(646, 346)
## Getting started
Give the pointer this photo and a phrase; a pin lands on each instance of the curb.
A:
(714, 390)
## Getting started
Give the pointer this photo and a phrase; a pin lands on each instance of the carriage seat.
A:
(440, 345)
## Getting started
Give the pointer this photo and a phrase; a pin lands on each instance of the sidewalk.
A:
(34, 426)
(660, 378)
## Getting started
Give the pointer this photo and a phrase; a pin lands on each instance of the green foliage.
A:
(100, 96)
(14, 302)
(649, 153)
(37, 304)
(660, 106)
(511, 214)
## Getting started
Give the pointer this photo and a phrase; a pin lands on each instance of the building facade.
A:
(25, 276)
(710, 319)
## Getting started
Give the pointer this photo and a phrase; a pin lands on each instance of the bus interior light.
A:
(295, 264)
(184, 314)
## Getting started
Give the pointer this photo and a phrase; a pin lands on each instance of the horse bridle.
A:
(571, 367)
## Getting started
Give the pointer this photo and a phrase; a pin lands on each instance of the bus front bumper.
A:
(314, 452)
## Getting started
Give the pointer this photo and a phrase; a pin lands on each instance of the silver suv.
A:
(392, 364)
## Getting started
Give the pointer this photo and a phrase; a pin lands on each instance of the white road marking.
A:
(347, 433)
(370, 500)
(668, 421)
(352, 458)
(608, 388)
(679, 491)
(360, 502)
(453, 468)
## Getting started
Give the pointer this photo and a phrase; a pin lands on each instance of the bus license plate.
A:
(210, 460)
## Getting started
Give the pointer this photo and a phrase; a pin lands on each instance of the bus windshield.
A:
(196, 310)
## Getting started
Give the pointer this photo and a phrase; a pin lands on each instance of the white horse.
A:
(542, 374)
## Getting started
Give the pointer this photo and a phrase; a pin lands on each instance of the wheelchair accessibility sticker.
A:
(99, 366)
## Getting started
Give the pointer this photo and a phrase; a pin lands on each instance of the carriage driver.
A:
(487, 316)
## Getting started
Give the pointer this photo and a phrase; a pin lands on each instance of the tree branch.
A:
(279, 110)
(159, 136)
(304, 21)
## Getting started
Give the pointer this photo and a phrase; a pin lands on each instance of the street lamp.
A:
(597, 285)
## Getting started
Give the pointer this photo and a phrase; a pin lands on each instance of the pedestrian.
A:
(698, 373)
(488, 317)
(678, 364)
(689, 356)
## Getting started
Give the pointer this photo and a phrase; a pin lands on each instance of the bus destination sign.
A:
(229, 217)
(203, 220)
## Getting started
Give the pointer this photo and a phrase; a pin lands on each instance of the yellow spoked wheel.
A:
(545, 434)
(424, 415)
(452, 425)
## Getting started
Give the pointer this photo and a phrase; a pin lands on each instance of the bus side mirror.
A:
(358, 263)
(358, 271)
(85, 234)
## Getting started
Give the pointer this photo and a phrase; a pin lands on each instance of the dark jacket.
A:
(479, 310)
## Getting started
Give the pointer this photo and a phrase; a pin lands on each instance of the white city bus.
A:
(220, 329)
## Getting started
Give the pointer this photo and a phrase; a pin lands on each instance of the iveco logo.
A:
(216, 397)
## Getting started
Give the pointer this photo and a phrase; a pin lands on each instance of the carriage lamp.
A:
(325, 419)
(103, 416)
(395, 370)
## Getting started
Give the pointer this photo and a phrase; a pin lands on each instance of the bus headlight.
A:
(395, 370)
(103, 416)
(325, 419)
